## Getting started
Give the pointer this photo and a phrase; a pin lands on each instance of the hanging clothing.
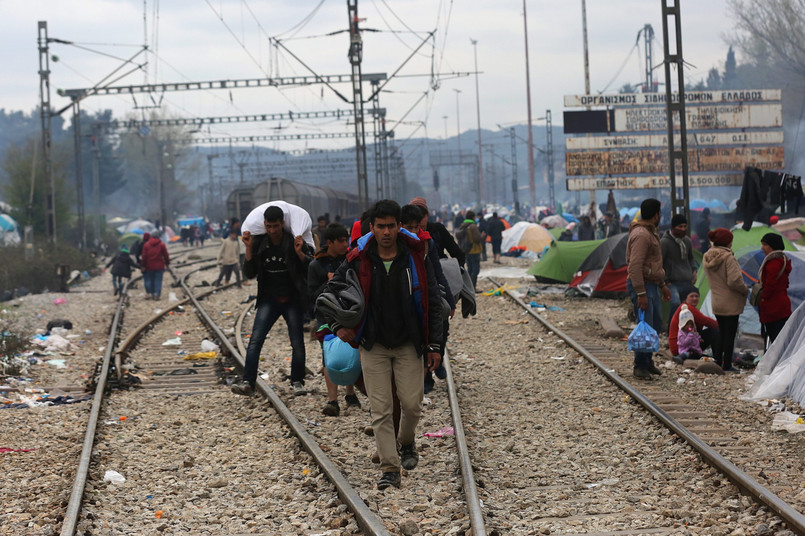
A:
(791, 193)
(758, 194)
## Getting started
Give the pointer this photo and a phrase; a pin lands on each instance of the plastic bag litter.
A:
(54, 343)
(172, 297)
(790, 422)
(201, 355)
(445, 431)
(643, 338)
(209, 346)
(58, 363)
(173, 342)
(61, 332)
(59, 301)
(113, 477)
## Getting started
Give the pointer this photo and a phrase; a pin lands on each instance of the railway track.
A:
(177, 403)
(713, 442)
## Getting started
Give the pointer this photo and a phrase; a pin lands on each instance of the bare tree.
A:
(770, 32)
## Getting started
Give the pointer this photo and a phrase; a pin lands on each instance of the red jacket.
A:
(774, 301)
(154, 256)
(701, 320)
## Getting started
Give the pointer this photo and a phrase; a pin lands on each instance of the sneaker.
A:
(388, 480)
(331, 409)
(428, 385)
(352, 401)
(243, 388)
(642, 373)
(440, 372)
(298, 388)
(376, 458)
(409, 456)
(732, 369)
(653, 369)
(678, 359)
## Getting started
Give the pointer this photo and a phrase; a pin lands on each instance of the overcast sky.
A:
(229, 39)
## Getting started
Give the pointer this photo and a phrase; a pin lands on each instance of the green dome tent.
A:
(562, 260)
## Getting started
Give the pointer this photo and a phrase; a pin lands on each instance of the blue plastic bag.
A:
(342, 361)
(643, 338)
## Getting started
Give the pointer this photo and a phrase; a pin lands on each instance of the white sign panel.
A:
(660, 140)
(720, 116)
(691, 97)
(639, 183)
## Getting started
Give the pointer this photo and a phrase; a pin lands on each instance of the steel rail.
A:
(470, 488)
(367, 519)
(74, 504)
(794, 519)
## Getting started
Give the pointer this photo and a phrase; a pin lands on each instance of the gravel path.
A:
(540, 433)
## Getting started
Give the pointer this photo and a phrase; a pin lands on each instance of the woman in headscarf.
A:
(774, 307)
(727, 290)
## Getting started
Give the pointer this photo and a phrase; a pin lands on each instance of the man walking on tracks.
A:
(280, 263)
(399, 335)
(229, 258)
(646, 277)
(154, 261)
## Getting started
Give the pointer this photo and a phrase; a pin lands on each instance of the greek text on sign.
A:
(656, 160)
(661, 140)
(638, 183)
(720, 116)
(691, 97)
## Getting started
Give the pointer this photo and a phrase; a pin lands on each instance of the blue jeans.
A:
(117, 282)
(652, 317)
(474, 267)
(152, 279)
(268, 311)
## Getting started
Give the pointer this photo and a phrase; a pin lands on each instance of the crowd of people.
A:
(664, 269)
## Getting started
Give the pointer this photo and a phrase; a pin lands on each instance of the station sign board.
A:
(715, 117)
(627, 162)
(768, 137)
(643, 182)
(691, 97)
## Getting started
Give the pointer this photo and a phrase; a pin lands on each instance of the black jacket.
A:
(296, 268)
(677, 268)
(122, 264)
(317, 275)
(391, 314)
(445, 241)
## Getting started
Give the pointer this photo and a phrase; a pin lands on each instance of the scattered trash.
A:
(446, 431)
(158, 513)
(172, 297)
(182, 372)
(314, 423)
(264, 376)
(59, 323)
(5, 450)
(605, 482)
(59, 301)
(113, 477)
(178, 333)
(557, 357)
(180, 352)
(201, 355)
(58, 363)
(790, 422)
(209, 346)
(173, 342)
(680, 381)
(543, 307)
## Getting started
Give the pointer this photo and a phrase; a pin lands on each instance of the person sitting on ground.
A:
(688, 340)
(707, 327)
(321, 270)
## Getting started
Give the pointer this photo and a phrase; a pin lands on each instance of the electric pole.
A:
(549, 151)
(648, 38)
(46, 115)
(515, 195)
(532, 186)
(355, 58)
(478, 113)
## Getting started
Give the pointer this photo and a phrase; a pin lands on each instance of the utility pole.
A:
(355, 58)
(210, 158)
(457, 182)
(46, 115)
(675, 110)
(532, 186)
(79, 174)
(96, 181)
(515, 195)
(480, 185)
(549, 155)
(586, 81)
(648, 38)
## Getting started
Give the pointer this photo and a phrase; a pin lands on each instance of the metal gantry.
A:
(46, 114)
(675, 110)
(355, 59)
(549, 155)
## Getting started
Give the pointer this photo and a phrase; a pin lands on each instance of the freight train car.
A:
(317, 200)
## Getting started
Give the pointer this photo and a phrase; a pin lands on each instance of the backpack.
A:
(463, 239)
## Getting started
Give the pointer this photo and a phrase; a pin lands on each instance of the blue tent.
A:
(9, 235)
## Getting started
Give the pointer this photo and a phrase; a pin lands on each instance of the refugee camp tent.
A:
(9, 234)
(781, 371)
(603, 272)
(531, 236)
(129, 239)
(554, 220)
(562, 260)
(143, 225)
